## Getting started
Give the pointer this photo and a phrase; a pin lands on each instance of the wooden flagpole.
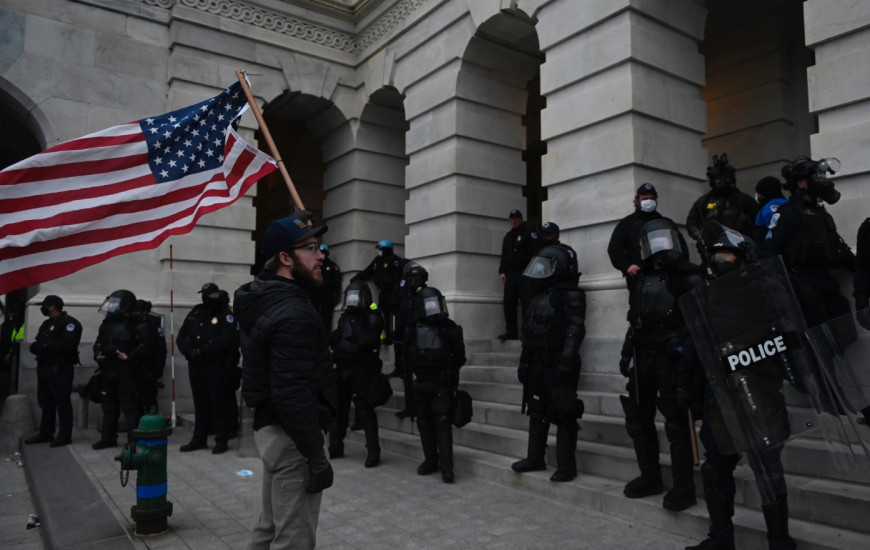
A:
(240, 74)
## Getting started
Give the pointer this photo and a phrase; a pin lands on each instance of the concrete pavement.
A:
(78, 494)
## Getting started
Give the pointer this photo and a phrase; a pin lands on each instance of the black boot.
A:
(566, 453)
(646, 449)
(719, 496)
(373, 445)
(430, 447)
(682, 495)
(776, 519)
(537, 447)
(444, 432)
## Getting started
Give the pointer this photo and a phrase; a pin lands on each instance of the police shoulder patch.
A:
(773, 220)
(70, 327)
(774, 207)
(230, 318)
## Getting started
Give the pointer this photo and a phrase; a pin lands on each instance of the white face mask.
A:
(648, 205)
(380, 253)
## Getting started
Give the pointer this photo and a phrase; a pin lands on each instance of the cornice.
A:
(352, 43)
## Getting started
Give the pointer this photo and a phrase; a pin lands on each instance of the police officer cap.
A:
(550, 228)
(208, 288)
(52, 300)
(287, 231)
(647, 189)
(769, 187)
(515, 214)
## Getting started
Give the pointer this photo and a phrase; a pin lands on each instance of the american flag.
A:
(123, 189)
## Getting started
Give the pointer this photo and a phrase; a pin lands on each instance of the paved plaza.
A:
(81, 503)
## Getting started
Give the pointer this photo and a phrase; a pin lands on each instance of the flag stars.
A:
(164, 174)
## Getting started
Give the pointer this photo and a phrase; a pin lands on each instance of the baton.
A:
(694, 438)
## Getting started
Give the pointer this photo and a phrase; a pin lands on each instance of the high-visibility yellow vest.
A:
(18, 333)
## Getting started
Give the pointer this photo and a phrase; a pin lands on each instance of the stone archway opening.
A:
(756, 86)
(292, 120)
(507, 44)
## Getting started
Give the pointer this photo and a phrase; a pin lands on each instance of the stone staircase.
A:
(829, 500)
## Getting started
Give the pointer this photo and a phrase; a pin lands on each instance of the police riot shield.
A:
(842, 351)
(748, 329)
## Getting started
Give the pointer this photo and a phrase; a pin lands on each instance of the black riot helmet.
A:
(414, 276)
(660, 243)
(120, 302)
(727, 249)
(815, 172)
(555, 262)
(434, 307)
(721, 174)
(357, 296)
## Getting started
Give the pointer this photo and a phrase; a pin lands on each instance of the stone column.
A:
(622, 85)
(839, 88)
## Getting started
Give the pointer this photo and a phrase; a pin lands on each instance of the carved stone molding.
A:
(304, 30)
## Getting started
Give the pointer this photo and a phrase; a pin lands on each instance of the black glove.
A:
(625, 365)
(523, 372)
(195, 354)
(863, 316)
(321, 474)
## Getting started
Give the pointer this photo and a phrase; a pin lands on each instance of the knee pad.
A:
(677, 432)
(716, 478)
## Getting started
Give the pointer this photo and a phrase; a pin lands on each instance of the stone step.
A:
(604, 450)
(604, 495)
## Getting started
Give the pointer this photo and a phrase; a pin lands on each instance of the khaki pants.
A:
(289, 516)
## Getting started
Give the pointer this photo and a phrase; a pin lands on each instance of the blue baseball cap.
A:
(282, 233)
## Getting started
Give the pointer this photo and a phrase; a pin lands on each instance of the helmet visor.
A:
(541, 267)
(111, 305)
(433, 305)
(353, 298)
(657, 241)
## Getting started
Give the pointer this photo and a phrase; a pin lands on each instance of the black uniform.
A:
(518, 246)
(624, 246)
(731, 207)
(119, 332)
(550, 370)
(435, 353)
(327, 295)
(208, 336)
(56, 349)
(355, 347)
(153, 363)
(386, 272)
(862, 275)
(661, 379)
(805, 234)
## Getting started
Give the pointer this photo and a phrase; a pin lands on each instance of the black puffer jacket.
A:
(288, 377)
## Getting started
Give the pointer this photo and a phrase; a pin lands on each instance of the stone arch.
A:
(756, 87)
(311, 135)
(370, 201)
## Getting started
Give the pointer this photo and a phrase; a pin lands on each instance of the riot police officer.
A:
(659, 378)
(805, 234)
(56, 348)
(386, 271)
(414, 276)
(724, 203)
(743, 408)
(435, 353)
(118, 350)
(208, 335)
(355, 347)
(154, 360)
(768, 195)
(550, 361)
(517, 248)
(327, 295)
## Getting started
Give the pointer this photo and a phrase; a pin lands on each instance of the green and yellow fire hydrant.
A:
(148, 457)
